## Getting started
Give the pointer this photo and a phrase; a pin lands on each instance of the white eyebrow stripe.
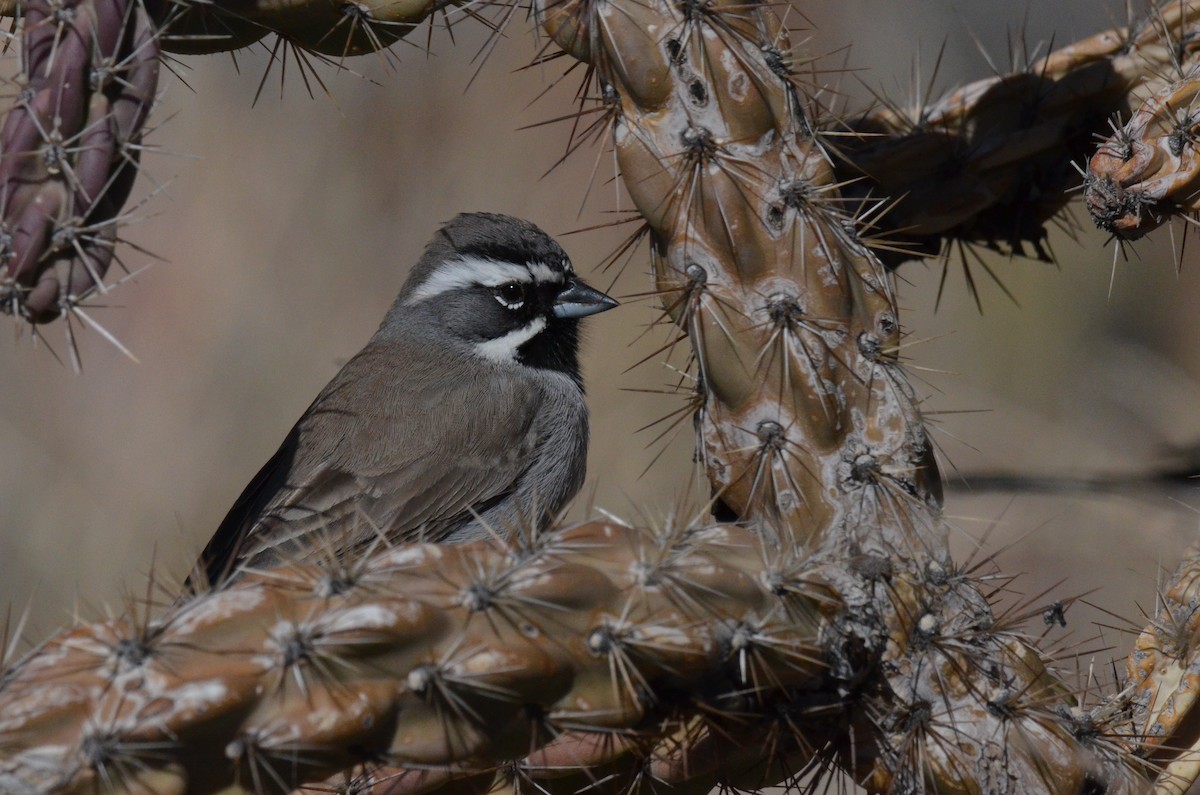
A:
(504, 349)
(544, 273)
(468, 272)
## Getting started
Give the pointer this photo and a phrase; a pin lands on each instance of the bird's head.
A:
(502, 286)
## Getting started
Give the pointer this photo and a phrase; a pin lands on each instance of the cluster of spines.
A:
(604, 657)
(603, 646)
(1147, 172)
(809, 430)
(995, 162)
(72, 141)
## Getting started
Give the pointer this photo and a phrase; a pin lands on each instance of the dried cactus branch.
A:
(993, 162)
(1146, 172)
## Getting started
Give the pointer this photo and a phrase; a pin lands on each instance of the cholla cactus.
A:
(819, 624)
(1146, 172)
(71, 150)
(993, 162)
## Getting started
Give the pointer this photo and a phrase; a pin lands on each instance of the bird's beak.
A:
(579, 300)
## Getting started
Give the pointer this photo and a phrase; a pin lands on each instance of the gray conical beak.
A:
(579, 300)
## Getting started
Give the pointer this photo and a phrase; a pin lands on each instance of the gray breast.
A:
(558, 439)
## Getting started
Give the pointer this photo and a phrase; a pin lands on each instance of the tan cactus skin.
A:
(1147, 172)
(425, 656)
(1164, 680)
(825, 437)
(793, 323)
(828, 627)
(992, 162)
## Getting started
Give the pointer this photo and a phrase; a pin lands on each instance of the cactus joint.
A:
(54, 153)
(601, 642)
(1113, 208)
(777, 61)
(295, 648)
(61, 13)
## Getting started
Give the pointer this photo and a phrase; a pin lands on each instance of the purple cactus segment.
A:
(69, 149)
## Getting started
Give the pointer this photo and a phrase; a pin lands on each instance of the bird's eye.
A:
(510, 295)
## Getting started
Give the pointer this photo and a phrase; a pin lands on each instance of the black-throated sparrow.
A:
(464, 414)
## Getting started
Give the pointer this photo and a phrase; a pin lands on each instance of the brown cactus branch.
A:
(426, 657)
(697, 657)
(807, 421)
(1146, 172)
(994, 161)
(315, 26)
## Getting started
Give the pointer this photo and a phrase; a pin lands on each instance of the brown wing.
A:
(404, 441)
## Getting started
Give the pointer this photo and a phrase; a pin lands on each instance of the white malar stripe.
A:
(504, 349)
(456, 274)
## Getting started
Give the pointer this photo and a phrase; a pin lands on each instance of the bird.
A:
(462, 417)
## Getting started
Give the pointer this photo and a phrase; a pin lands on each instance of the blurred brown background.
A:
(292, 222)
